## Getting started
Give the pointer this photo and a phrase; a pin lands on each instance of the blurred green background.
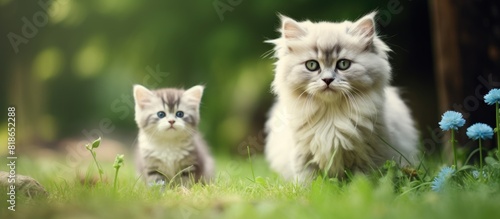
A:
(73, 74)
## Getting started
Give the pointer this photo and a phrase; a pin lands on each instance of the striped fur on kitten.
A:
(170, 148)
(334, 102)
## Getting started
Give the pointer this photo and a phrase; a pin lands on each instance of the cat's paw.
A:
(157, 183)
(305, 176)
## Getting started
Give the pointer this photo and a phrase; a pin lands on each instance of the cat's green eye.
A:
(312, 65)
(179, 114)
(343, 64)
(161, 114)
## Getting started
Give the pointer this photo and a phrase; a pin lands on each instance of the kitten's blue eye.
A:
(312, 65)
(179, 114)
(161, 114)
(343, 64)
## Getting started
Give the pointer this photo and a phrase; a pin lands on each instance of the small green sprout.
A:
(91, 147)
(117, 164)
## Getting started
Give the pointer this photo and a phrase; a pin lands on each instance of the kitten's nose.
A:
(327, 81)
(171, 122)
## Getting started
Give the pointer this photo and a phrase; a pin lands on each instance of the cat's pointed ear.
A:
(195, 93)
(365, 26)
(142, 95)
(291, 29)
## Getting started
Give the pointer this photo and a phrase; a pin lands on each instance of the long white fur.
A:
(308, 127)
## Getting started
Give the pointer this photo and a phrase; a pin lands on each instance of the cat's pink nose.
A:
(171, 122)
(327, 81)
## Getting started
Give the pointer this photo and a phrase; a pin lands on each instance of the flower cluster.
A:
(452, 121)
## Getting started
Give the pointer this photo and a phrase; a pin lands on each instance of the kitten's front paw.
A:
(305, 176)
(157, 183)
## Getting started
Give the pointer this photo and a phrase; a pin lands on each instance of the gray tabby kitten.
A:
(170, 149)
(334, 102)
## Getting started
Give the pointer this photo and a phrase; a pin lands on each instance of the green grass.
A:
(239, 193)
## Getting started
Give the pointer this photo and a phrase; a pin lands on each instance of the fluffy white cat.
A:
(334, 106)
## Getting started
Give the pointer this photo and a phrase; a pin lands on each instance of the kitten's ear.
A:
(291, 29)
(195, 93)
(365, 26)
(142, 95)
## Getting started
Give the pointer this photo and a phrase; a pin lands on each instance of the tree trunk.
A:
(446, 55)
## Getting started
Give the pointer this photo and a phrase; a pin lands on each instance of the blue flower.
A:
(451, 120)
(480, 131)
(438, 183)
(475, 174)
(492, 97)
